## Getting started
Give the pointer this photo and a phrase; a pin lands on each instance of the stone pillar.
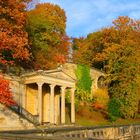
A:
(37, 103)
(49, 109)
(40, 101)
(57, 108)
(72, 106)
(20, 94)
(63, 105)
(24, 95)
(52, 103)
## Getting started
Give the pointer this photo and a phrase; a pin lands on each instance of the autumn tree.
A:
(116, 49)
(123, 65)
(81, 52)
(6, 96)
(46, 27)
(14, 46)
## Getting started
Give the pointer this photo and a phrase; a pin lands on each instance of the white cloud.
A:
(135, 14)
(84, 16)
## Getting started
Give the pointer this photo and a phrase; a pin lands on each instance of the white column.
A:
(55, 109)
(49, 109)
(40, 101)
(52, 103)
(72, 106)
(63, 105)
(58, 109)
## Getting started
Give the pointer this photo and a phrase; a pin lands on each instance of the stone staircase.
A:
(25, 114)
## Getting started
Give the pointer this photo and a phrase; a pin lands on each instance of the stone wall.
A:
(70, 68)
(9, 120)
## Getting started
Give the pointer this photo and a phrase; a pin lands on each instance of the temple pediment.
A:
(60, 75)
(52, 76)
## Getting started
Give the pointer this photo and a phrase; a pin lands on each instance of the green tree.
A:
(123, 67)
(46, 28)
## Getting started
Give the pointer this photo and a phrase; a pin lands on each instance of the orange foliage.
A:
(116, 49)
(98, 106)
(13, 38)
(97, 47)
(6, 96)
(81, 51)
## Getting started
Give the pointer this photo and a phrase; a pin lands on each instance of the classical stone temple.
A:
(43, 94)
(40, 96)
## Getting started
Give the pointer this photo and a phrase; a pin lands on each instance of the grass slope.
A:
(87, 116)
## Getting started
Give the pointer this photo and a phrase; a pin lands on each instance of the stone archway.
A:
(101, 82)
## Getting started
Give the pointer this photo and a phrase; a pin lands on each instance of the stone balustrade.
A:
(126, 132)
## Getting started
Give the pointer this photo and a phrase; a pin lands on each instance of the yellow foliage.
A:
(101, 96)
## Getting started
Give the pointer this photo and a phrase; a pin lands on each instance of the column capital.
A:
(73, 89)
(63, 87)
(40, 84)
(52, 85)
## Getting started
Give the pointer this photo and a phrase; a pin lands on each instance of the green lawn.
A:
(87, 117)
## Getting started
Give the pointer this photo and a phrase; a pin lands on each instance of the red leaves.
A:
(98, 106)
(60, 58)
(13, 38)
(6, 96)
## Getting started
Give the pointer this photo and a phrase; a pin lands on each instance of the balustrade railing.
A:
(24, 113)
(117, 132)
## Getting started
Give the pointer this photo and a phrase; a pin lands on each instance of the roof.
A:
(56, 76)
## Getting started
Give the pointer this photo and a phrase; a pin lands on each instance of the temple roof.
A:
(56, 76)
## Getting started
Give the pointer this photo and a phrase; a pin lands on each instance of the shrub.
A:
(101, 98)
(114, 109)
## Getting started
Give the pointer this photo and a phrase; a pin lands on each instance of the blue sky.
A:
(86, 16)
